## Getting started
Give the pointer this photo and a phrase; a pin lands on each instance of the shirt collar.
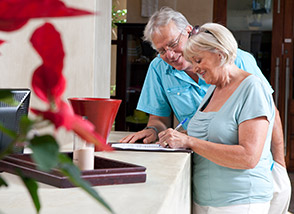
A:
(181, 75)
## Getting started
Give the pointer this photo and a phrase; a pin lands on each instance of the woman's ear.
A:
(221, 57)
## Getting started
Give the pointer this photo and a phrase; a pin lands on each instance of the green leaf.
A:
(7, 97)
(32, 187)
(25, 125)
(45, 152)
(8, 132)
(74, 175)
(7, 150)
(3, 182)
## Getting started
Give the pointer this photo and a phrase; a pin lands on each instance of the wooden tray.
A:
(106, 171)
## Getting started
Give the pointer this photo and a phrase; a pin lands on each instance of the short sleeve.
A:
(153, 99)
(247, 62)
(258, 102)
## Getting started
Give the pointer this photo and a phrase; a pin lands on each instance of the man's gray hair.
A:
(162, 18)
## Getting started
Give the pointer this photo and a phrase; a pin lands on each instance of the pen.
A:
(180, 124)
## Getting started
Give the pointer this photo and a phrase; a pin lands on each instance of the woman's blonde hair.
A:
(214, 38)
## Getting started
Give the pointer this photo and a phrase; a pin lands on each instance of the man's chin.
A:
(179, 67)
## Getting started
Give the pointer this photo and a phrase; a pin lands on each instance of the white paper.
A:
(145, 147)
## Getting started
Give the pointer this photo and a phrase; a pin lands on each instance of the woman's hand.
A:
(173, 139)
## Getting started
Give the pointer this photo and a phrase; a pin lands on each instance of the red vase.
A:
(100, 111)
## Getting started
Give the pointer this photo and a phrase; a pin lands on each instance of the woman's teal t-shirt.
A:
(215, 185)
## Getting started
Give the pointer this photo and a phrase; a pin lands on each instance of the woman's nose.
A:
(196, 68)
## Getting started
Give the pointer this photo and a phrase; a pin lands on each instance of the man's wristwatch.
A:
(152, 127)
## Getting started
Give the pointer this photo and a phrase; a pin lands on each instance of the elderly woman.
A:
(230, 133)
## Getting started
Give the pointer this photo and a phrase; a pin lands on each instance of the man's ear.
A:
(189, 28)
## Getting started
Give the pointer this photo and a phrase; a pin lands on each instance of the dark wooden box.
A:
(106, 171)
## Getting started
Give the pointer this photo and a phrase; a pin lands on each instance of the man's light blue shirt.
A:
(166, 89)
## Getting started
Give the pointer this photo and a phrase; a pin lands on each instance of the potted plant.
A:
(48, 83)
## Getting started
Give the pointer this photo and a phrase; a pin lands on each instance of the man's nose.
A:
(170, 53)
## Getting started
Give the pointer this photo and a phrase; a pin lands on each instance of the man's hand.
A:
(277, 146)
(148, 136)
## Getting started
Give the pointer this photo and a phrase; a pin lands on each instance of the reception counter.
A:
(167, 188)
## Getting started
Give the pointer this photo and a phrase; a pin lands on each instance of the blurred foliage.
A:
(7, 97)
(48, 83)
(118, 16)
(46, 155)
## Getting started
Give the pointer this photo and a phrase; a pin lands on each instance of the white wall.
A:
(102, 55)
(87, 43)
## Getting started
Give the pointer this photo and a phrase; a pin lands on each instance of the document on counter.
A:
(145, 147)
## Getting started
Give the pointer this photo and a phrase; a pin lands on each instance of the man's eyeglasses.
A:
(171, 46)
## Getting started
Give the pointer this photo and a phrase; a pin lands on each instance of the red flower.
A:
(64, 116)
(15, 13)
(48, 81)
(49, 84)
(1, 42)
(11, 25)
